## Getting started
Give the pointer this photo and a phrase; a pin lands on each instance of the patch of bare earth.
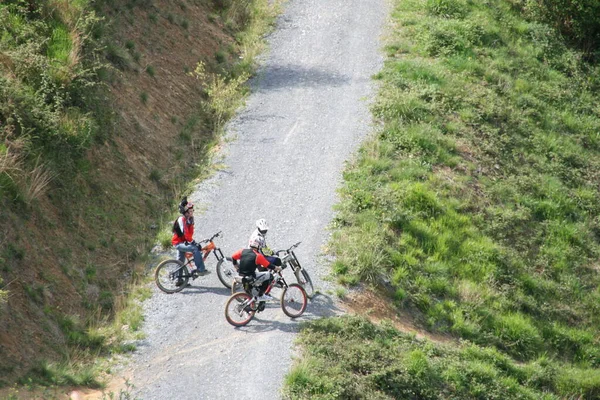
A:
(377, 308)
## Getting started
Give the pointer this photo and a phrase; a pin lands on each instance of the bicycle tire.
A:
(225, 272)
(234, 309)
(304, 280)
(236, 287)
(165, 276)
(293, 300)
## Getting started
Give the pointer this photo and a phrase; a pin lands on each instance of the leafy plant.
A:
(224, 95)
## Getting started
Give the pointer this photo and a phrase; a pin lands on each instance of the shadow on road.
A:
(285, 76)
(320, 306)
(195, 290)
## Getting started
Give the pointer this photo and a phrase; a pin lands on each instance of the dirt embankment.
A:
(69, 258)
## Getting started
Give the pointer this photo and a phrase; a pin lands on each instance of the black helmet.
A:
(185, 205)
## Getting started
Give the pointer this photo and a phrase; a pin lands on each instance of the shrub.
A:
(447, 8)
(577, 19)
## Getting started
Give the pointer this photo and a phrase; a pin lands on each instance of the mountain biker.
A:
(183, 238)
(252, 259)
(258, 240)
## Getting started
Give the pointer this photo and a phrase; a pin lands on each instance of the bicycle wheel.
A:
(293, 300)
(304, 280)
(236, 287)
(166, 278)
(225, 271)
(238, 310)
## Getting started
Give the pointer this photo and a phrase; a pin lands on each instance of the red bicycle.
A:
(171, 276)
(241, 306)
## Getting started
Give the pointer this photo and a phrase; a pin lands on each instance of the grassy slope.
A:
(478, 203)
(70, 251)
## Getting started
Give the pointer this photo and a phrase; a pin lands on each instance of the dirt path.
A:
(307, 114)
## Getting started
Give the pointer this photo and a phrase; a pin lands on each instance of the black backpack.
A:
(176, 229)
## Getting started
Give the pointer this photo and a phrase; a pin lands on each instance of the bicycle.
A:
(242, 306)
(288, 258)
(171, 272)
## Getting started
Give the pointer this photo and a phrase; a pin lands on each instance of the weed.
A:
(164, 238)
(220, 56)
(144, 97)
(37, 182)
(155, 175)
(150, 70)
(341, 293)
(119, 57)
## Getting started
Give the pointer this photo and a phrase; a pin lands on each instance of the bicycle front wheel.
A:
(304, 280)
(236, 287)
(293, 300)
(225, 271)
(239, 310)
(170, 276)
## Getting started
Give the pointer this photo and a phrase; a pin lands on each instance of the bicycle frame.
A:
(211, 247)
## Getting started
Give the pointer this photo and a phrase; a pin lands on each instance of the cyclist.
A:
(258, 240)
(252, 259)
(183, 238)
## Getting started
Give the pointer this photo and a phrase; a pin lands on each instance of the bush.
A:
(577, 19)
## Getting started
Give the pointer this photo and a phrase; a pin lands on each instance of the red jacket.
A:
(249, 260)
(187, 229)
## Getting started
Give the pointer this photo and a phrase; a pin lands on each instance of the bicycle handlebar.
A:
(288, 250)
(212, 237)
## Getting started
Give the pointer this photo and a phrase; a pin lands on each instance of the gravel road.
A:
(307, 114)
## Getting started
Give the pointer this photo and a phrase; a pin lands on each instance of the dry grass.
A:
(10, 163)
(37, 182)
(68, 12)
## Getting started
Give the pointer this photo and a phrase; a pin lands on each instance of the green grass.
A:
(477, 199)
(350, 357)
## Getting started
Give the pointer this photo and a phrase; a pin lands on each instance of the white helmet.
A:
(261, 224)
(257, 242)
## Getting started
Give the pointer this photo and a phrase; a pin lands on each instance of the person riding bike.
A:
(250, 260)
(258, 240)
(183, 238)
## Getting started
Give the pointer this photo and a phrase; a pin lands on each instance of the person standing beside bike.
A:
(249, 261)
(183, 237)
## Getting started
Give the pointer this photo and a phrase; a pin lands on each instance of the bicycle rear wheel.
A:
(304, 280)
(239, 310)
(166, 276)
(226, 271)
(293, 300)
